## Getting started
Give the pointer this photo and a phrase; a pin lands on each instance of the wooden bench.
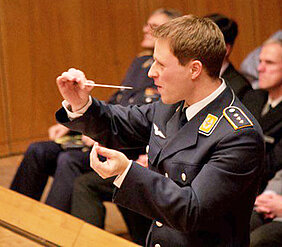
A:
(49, 226)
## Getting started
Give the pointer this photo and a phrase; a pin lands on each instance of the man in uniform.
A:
(66, 157)
(90, 191)
(205, 148)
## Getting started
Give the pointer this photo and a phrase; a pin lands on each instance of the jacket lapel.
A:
(162, 129)
(187, 136)
(272, 118)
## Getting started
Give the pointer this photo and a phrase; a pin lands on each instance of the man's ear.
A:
(228, 50)
(195, 69)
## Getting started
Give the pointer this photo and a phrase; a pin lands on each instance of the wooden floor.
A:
(8, 167)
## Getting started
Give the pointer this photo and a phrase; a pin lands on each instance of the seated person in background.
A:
(236, 81)
(266, 105)
(266, 221)
(205, 149)
(65, 163)
(249, 66)
(90, 190)
(42, 159)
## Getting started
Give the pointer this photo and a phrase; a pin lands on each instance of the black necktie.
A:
(183, 118)
(268, 108)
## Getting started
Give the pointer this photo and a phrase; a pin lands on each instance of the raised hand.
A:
(72, 87)
(115, 164)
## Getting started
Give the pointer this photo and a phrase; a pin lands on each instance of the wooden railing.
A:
(49, 226)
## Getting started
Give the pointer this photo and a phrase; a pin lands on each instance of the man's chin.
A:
(167, 101)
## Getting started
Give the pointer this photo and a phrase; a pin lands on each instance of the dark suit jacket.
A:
(201, 186)
(236, 81)
(271, 124)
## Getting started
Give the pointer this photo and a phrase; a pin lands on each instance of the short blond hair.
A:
(195, 38)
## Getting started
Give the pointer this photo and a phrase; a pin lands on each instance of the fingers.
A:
(73, 76)
(262, 209)
(108, 153)
(94, 160)
(101, 168)
(115, 164)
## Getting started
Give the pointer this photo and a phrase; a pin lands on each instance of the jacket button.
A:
(131, 100)
(166, 175)
(148, 100)
(157, 245)
(159, 224)
(183, 176)
(147, 149)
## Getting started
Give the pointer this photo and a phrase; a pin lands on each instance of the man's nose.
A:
(152, 73)
(260, 67)
(146, 28)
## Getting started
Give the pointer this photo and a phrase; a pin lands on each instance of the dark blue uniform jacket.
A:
(202, 178)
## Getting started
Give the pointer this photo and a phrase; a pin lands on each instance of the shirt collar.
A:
(192, 110)
(275, 102)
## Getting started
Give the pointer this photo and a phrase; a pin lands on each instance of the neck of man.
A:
(275, 93)
(204, 86)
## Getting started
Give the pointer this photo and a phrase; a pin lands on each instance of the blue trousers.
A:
(44, 159)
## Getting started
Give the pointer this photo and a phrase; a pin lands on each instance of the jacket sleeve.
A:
(113, 125)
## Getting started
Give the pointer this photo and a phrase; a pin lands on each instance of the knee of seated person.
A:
(258, 242)
(87, 182)
(37, 148)
(79, 184)
(258, 239)
(65, 158)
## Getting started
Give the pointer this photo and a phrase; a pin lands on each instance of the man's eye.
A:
(153, 25)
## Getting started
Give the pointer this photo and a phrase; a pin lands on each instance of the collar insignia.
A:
(236, 117)
(208, 125)
(158, 132)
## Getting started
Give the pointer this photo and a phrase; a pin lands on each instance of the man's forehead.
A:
(157, 19)
(271, 51)
(162, 47)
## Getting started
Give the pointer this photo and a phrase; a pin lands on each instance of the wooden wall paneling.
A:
(37, 38)
(268, 20)
(127, 32)
(179, 5)
(110, 28)
(17, 69)
(4, 148)
(97, 53)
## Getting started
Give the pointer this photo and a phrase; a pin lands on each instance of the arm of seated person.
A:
(57, 131)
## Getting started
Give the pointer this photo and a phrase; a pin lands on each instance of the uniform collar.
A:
(192, 110)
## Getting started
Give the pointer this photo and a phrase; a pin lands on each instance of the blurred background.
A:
(40, 39)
